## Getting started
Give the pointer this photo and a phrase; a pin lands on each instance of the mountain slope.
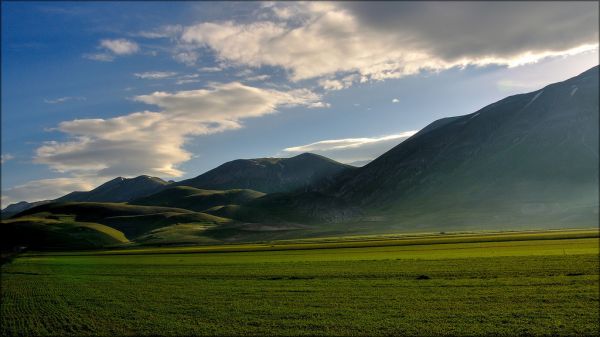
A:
(118, 190)
(18, 207)
(196, 199)
(529, 160)
(268, 175)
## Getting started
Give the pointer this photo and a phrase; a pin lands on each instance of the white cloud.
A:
(6, 157)
(186, 79)
(113, 48)
(210, 69)
(336, 39)
(155, 75)
(63, 99)
(338, 84)
(395, 100)
(120, 46)
(186, 57)
(353, 149)
(101, 57)
(153, 142)
(45, 189)
(168, 31)
(257, 78)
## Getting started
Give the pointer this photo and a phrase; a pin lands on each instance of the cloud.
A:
(333, 84)
(64, 99)
(46, 189)
(481, 30)
(186, 79)
(113, 48)
(353, 149)
(101, 57)
(395, 100)
(186, 57)
(150, 142)
(155, 75)
(333, 40)
(120, 46)
(168, 31)
(210, 69)
(257, 78)
(6, 157)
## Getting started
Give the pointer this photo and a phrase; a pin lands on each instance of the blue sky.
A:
(91, 91)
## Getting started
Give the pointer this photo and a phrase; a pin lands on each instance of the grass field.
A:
(536, 283)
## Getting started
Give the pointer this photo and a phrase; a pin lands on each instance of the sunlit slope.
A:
(131, 220)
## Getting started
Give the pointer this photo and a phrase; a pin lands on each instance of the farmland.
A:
(532, 283)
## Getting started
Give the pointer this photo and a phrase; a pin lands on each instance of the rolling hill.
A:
(132, 220)
(196, 199)
(58, 232)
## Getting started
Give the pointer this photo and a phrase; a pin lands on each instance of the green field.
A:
(535, 283)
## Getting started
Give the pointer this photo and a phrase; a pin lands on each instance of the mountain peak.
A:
(268, 175)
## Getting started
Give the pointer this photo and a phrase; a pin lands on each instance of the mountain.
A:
(18, 207)
(526, 161)
(269, 175)
(196, 199)
(118, 190)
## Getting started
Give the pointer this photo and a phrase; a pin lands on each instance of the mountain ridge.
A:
(268, 175)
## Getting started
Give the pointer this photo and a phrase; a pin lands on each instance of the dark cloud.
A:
(465, 29)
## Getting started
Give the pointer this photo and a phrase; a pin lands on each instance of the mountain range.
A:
(262, 174)
(526, 161)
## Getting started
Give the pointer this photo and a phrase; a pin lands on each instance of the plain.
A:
(533, 284)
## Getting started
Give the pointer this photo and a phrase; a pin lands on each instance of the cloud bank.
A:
(381, 40)
(47, 189)
(152, 142)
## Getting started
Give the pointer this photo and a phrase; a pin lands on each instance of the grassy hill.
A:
(132, 221)
(58, 232)
(197, 199)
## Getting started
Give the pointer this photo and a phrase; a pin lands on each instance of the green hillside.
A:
(132, 221)
(58, 232)
(197, 199)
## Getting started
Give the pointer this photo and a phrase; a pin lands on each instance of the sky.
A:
(96, 90)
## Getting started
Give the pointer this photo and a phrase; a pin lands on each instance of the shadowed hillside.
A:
(529, 160)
